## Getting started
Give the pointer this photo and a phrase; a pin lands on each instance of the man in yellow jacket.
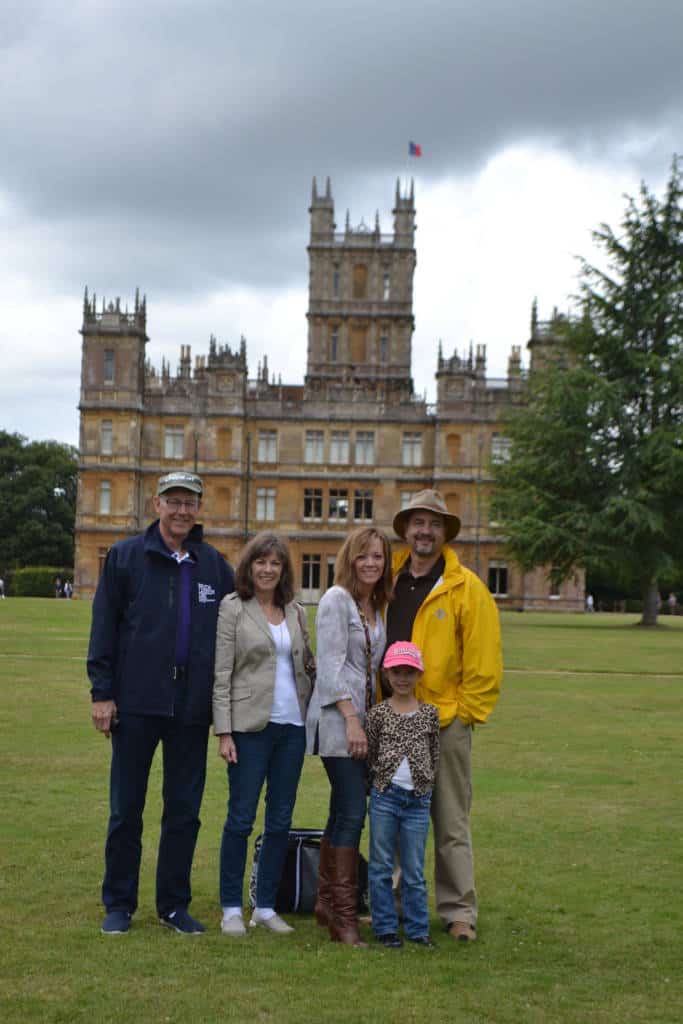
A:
(449, 613)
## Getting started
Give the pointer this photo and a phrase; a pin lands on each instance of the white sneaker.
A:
(273, 923)
(233, 925)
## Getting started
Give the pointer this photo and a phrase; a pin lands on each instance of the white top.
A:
(403, 777)
(285, 710)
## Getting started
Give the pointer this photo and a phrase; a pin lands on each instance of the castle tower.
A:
(360, 312)
(111, 407)
(113, 354)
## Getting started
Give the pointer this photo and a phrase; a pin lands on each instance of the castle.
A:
(347, 447)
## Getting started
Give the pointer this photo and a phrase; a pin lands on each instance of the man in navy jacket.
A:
(151, 664)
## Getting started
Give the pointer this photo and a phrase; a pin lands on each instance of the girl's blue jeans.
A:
(398, 819)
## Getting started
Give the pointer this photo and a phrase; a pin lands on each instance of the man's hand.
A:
(103, 711)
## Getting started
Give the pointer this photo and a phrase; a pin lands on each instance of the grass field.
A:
(578, 831)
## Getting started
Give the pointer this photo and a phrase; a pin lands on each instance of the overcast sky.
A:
(171, 146)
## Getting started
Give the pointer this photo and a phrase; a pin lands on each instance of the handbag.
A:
(298, 888)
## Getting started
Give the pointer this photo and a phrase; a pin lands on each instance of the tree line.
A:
(595, 477)
(38, 485)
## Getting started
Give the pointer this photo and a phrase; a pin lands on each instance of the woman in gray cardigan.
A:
(260, 698)
(350, 644)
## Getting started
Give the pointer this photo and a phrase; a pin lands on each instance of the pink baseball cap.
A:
(404, 653)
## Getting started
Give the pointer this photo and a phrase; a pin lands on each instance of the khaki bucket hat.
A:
(427, 501)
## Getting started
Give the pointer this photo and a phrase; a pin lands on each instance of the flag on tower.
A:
(414, 149)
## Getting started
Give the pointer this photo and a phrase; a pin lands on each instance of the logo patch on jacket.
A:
(439, 613)
(206, 594)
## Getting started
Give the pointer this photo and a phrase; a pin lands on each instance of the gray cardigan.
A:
(341, 670)
(244, 680)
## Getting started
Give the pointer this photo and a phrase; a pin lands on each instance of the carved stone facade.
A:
(345, 448)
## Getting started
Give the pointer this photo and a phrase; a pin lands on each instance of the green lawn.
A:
(577, 827)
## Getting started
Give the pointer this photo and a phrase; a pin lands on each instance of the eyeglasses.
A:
(175, 504)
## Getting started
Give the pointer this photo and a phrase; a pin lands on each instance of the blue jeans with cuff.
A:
(398, 818)
(274, 755)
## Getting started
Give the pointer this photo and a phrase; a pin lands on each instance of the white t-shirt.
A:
(403, 777)
(285, 710)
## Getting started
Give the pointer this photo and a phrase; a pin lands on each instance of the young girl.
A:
(403, 754)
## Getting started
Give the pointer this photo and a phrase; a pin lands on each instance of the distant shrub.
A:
(632, 605)
(38, 580)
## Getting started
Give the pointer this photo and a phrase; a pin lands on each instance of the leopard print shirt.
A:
(392, 736)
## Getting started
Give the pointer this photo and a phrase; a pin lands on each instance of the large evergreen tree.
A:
(595, 477)
(38, 481)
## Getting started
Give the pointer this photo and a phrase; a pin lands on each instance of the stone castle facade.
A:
(347, 447)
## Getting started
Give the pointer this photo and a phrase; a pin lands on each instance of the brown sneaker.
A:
(461, 931)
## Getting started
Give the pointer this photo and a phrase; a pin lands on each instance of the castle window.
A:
(386, 286)
(384, 348)
(106, 437)
(362, 505)
(314, 450)
(453, 502)
(453, 448)
(339, 504)
(334, 346)
(174, 443)
(108, 366)
(105, 497)
(265, 504)
(335, 280)
(365, 448)
(500, 448)
(554, 592)
(331, 562)
(358, 345)
(313, 503)
(267, 446)
(339, 447)
(310, 572)
(406, 498)
(498, 578)
(360, 281)
(224, 439)
(411, 450)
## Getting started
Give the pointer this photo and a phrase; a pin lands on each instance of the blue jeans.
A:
(133, 743)
(348, 800)
(397, 816)
(274, 755)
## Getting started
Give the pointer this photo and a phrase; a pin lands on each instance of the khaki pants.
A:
(456, 899)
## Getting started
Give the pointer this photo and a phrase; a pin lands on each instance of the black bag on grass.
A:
(299, 885)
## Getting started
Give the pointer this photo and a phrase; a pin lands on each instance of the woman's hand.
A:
(227, 749)
(356, 740)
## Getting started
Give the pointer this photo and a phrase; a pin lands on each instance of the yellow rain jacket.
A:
(457, 630)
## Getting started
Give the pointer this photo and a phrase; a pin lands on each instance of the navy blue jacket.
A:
(134, 621)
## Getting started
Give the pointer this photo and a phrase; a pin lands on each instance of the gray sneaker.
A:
(273, 924)
(233, 925)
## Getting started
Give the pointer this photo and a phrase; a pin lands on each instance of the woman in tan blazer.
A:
(260, 698)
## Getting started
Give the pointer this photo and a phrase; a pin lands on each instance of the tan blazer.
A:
(244, 680)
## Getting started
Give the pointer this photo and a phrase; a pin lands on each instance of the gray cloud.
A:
(171, 145)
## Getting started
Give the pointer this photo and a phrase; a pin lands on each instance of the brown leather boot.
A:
(323, 903)
(343, 923)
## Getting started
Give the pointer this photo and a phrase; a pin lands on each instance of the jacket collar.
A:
(453, 573)
(154, 542)
(253, 608)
